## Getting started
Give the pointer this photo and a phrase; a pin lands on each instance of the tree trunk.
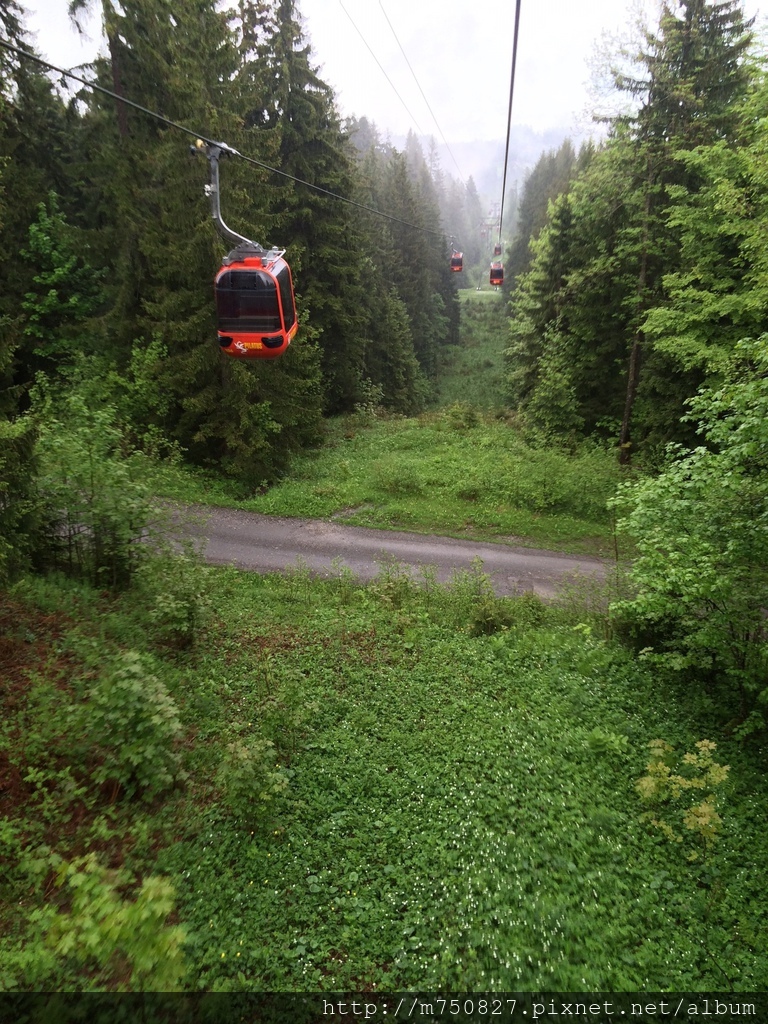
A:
(633, 373)
(117, 86)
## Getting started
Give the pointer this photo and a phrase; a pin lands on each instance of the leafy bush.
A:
(133, 723)
(91, 485)
(18, 504)
(602, 741)
(700, 530)
(114, 933)
(174, 588)
(698, 775)
(461, 416)
(250, 779)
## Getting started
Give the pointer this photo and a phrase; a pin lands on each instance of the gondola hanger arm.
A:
(213, 151)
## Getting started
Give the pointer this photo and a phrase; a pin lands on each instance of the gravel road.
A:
(270, 543)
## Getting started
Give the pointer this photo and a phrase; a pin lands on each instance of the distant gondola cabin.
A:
(497, 274)
(457, 262)
(497, 250)
(255, 307)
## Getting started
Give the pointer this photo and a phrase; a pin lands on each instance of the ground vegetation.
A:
(216, 781)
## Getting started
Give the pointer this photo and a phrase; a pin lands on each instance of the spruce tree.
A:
(36, 147)
(624, 239)
(549, 178)
(320, 231)
(389, 356)
(695, 77)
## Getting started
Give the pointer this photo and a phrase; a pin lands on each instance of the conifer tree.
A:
(473, 216)
(65, 292)
(624, 240)
(421, 270)
(718, 293)
(35, 149)
(321, 232)
(389, 357)
(694, 78)
(549, 178)
(33, 154)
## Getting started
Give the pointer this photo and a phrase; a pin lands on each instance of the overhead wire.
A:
(434, 117)
(421, 130)
(211, 142)
(509, 115)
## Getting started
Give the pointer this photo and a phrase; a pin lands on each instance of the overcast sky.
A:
(461, 53)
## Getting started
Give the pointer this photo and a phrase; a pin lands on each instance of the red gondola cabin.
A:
(457, 261)
(255, 308)
(497, 274)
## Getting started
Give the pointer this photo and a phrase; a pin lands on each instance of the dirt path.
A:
(269, 544)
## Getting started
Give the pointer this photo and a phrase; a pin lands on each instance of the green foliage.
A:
(67, 291)
(91, 486)
(615, 323)
(173, 585)
(36, 155)
(601, 741)
(132, 722)
(397, 478)
(461, 416)
(471, 371)
(492, 614)
(128, 940)
(714, 297)
(701, 540)
(18, 505)
(250, 780)
(379, 797)
(698, 775)
(550, 178)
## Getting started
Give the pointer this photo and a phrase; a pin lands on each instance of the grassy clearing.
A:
(471, 372)
(451, 472)
(384, 788)
(460, 470)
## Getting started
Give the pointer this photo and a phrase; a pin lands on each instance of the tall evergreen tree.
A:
(411, 270)
(624, 241)
(322, 233)
(35, 149)
(695, 77)
(389, 361)
(549, 178)
(717, 294)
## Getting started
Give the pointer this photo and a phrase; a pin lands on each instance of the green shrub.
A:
(602, 741)
(91, 485)
(696, 776)
(700, 575)
(250, 779)
(461, 416)
(18, 503)
(177, 602)
(132, 722)
(393, 584)
(116, 934)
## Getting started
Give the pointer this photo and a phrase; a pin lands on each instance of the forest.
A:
(214, 781)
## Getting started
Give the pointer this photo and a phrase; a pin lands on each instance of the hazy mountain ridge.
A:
(483, 159)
